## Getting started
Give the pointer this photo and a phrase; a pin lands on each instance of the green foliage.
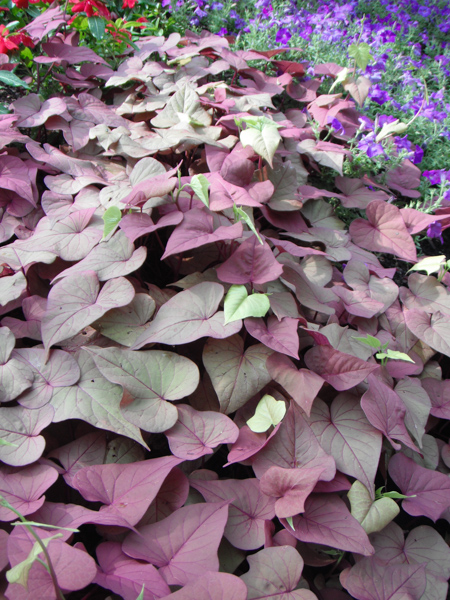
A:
(239, 305)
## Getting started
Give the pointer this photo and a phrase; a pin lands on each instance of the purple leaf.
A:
(404, 179)
(61, 370)
(340, 370)
(281, 336)
(195, 434)
(136, 225)
(417, 404)
(223, 194)
(124, 489)
(433, 329)
(355, 194)
(48, 20)
(23, 488)
(71, 54)
(249, 509)
(238, 168)
(248, 444)
(251, 263)
(188, 316)
(425, 293)
(384, 231)
(274, 573)
(125, 576)
(385, 410)
(328, 521)
(212, 586)
(21, 427)
(291, 487)
(198, 229)
(33, 308)
(374, 579)
(77, 301)
(4, 561)
(431, 489)
(294, 446)
(303, 385)
(172, 495)
(344, 432)
(15, 378)
(14, 176)
(439, 393)
(33, 112)
(236, 375)
(83, 452)
(308, 293)
(95, 400)
(184, 545)
(150, 378)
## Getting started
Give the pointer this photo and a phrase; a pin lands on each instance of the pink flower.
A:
(88, 7)
(128, 3)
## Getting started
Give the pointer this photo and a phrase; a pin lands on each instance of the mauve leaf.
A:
(236, 375)
(423, 545)
(308, 293)
(328, 521)
(77, 301)
(425, 293)
(384, 231)
(171, 496)
(248, 511)
(95, 400)
(344, 432)
(114, 258)
(404, 179)
(355, 194)
(248, 444)
(212, 586)
(325, 153)
(340, 370)
(294, 446)
(23, 488)
(433, 329)
(196, 433)
(14, 176)
(197, 229)
(374, 579)
(291, 487)
(4, 561)
(150, 378)
(13, 286)
(188, 316)
(417, 404)
(125, 490)
(184, 545)
(431, 489)
(71, 54)
(83, 452)
(439, 393)
(125, 576)
(223, 194)
(274, 573)
(61, 370)
(7, 343)
(239, 305)
(21, 427)
(302, 384)
(15, 378)
(280, 335)
(136, 225)
(250, 263)
(373, 516)
(33, 308)
(385, 410)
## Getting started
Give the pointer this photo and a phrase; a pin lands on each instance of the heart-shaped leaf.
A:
(373, 516)
(269, 412)
(239, 305)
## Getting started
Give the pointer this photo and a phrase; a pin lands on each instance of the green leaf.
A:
(46, 525)
(389, 128)
(26, 56)
(111, 219)
(290, 522)
(10, 79)
(5, 443)
(264, 140)
(239, 305)
(97, 27)
(369, 340)
(268, 413)
(241, 215)
(19, 573)
(200, 185)
(396, 495)
(141, 594)
(361, 54)
(341, 77)
(429, 264)
(394, 355)
(373, 516)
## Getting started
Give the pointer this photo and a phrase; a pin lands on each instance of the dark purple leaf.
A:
(248, 444)
(136, 225)
(251, 263)
(281, 336)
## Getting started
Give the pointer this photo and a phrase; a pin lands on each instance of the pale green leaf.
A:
(268, 413)
(369, 340)
(111, 219)
(45, 525)
(389, 128)
(394, 355)
(241, 215)
(239, 305)
(373, 516)
(264, 141)
(429, 264)
(341, 77)
(9, 78)
(200, 185)
(19, 573)
(141, 594)
(290, 522)
(361, 53)
(5, 443)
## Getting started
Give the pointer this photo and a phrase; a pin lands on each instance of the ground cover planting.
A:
(224, 305)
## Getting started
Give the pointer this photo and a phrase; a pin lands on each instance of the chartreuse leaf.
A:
(394, 355)
(111, 219)
(388, 128)
(341, 77)
(141, 594)
(239, 305)
(268, 412)
(429, 264)
(46, 525)
(361, 53)
(369, 340)
(19, 573)
(395, 495)
(262, 135)
(97, 27)
(200, 185)
(290, 523)
(9, 78)
(241, 215)
(5, 443)
(373, 516)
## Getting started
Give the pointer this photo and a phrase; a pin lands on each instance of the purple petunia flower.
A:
(435, 231)
(283, 36)
(368, 145)
(378, 95)
(437, 177)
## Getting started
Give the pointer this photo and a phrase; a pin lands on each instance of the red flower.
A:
(22, 38)
(5, 42)
(128, 3)
(142, 20)
(88, 6)
(21, 3)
